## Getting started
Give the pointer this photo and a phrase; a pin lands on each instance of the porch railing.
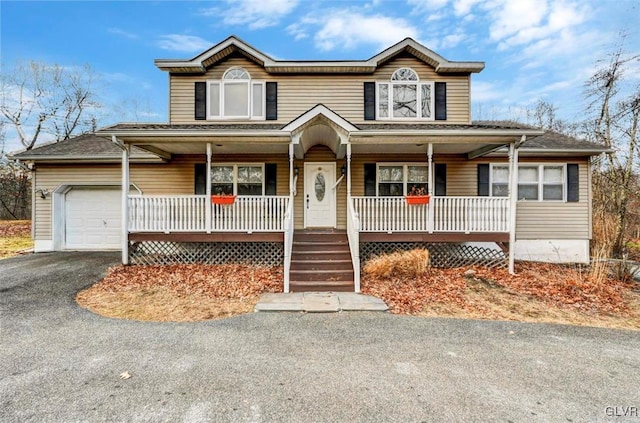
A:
(250, 214)
(442, 214)
(187, 213)
(471, 214)
(162, 213)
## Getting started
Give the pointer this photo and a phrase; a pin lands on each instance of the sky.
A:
(533, 49)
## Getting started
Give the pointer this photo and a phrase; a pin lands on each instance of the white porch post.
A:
(125, 203)
(513, 200)
(431, 207)
(292, 187)
(348, 172)
(207, 212)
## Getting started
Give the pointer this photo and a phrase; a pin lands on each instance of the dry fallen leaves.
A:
(494, 293)
(183, 292)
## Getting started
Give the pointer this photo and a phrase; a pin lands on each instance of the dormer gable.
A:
(200, 63)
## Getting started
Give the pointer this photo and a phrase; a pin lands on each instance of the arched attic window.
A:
(405, 97)
(236, 96)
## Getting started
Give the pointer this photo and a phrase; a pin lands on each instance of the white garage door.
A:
(92, 219)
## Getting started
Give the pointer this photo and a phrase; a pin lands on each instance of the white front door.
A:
(319, 195)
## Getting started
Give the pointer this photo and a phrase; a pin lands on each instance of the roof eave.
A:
(89, 159)
(453, 132)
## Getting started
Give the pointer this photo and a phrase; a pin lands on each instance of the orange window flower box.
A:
(223, 199)
(417, 199)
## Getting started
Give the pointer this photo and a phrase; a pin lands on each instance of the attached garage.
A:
(92, 218)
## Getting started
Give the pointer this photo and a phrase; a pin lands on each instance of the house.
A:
(316, 159)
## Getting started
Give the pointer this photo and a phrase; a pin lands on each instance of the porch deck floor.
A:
(320, 302)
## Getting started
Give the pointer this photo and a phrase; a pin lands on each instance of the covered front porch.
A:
(275, 216)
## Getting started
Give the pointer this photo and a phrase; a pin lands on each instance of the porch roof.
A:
(83, 148)
(273, 138)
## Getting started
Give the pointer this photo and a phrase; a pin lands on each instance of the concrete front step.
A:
(320, 302)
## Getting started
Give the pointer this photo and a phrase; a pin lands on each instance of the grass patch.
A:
(180, 293)
(15, 236)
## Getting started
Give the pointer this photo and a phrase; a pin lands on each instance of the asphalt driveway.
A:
(62, 363)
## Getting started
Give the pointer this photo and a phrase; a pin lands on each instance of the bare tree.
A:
(15, 186)
(37, 98)
(616, 112)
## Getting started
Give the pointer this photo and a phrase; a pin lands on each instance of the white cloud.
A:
(349, 29)
(520, 23)
(123, 33)
(482, 91)
(183, 43)
(452, 40)
(256, 14)
(420, 6)
(463, 7)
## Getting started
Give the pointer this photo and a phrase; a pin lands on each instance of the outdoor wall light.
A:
(296, 171)
(43, 192)
(343, 170)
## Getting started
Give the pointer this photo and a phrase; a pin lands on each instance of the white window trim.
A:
(250, 84)
(405, 175)
(235, 174)
(390, 84)
(540, 182)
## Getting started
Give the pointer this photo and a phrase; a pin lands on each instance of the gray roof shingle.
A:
(82, 146)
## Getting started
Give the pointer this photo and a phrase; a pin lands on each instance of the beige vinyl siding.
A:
(342, 93)
(173, 178)
(557, 220)
(320, 153)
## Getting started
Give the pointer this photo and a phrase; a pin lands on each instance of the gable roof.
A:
(86, 147)
(233, 44)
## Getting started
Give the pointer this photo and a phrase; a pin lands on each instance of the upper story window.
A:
(405, 97)
(236, 96)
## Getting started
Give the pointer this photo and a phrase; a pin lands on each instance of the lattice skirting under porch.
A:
(169, 252)
(443, 255)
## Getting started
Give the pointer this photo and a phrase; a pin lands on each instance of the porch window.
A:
(535, 182)
(395, 180)
(237, 179)
(405, 97)
(236, 96)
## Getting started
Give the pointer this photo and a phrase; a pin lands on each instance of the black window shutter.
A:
(370, 179)
(369, 101)
(270, 178)
(200, 100)
(483, 180)
(272, 101)
(441, 101)
(200, 179)
(440, 187)
(573, 183)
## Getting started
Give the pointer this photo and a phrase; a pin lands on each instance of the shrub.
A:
(412, 263)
